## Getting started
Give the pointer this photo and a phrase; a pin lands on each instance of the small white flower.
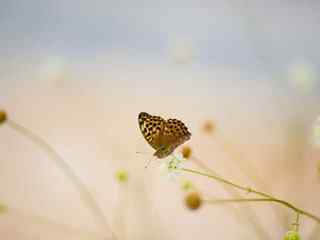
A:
(172, 165)
(302, 76)
(182, 51)
(316, 133)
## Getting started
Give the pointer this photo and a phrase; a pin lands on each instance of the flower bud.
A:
(292, 235)
(316, 133)
(186, 152)
(193, 200)
(208, 127)
(122, 176)
(3, 116)
(187, 185)
(3, 208)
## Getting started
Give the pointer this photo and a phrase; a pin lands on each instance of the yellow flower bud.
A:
(187, 185)
(208, 127)
(186, 152)
(3, 116)
(122, 176)
(292, 235)
(193, 200)
(316, 133)
(3, 208)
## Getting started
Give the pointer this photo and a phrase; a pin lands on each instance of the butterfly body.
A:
(163, 135)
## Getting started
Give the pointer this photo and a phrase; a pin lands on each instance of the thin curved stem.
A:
(85, 194)
(236, 200)
(250, 214)
(267, 197)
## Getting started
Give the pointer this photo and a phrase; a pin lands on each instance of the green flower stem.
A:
(85, 194)
(297, 222)
(250, 214)
(235, 200)
(266, 197)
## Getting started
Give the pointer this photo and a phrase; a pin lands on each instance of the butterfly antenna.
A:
(143, 152)
(149, 161)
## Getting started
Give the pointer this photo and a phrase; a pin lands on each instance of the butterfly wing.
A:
(151, 128)
(175, 133)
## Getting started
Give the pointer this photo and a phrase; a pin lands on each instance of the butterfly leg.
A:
(148, 163)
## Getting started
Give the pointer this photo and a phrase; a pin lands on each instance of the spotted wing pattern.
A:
(175, 133)
(164, 136)
(151, 128)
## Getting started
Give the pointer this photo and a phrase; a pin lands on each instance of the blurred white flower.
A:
(55, 70)
(182, 52)
(172, 165)
(302, 76)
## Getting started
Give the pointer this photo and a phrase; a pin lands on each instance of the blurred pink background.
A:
(78, 74)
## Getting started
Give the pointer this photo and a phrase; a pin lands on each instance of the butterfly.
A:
(163, 135)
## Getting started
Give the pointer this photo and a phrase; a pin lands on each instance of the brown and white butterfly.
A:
(163, 135)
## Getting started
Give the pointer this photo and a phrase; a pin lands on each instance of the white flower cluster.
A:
(172, 165)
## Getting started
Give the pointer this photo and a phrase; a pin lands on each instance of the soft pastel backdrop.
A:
(77, 73)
